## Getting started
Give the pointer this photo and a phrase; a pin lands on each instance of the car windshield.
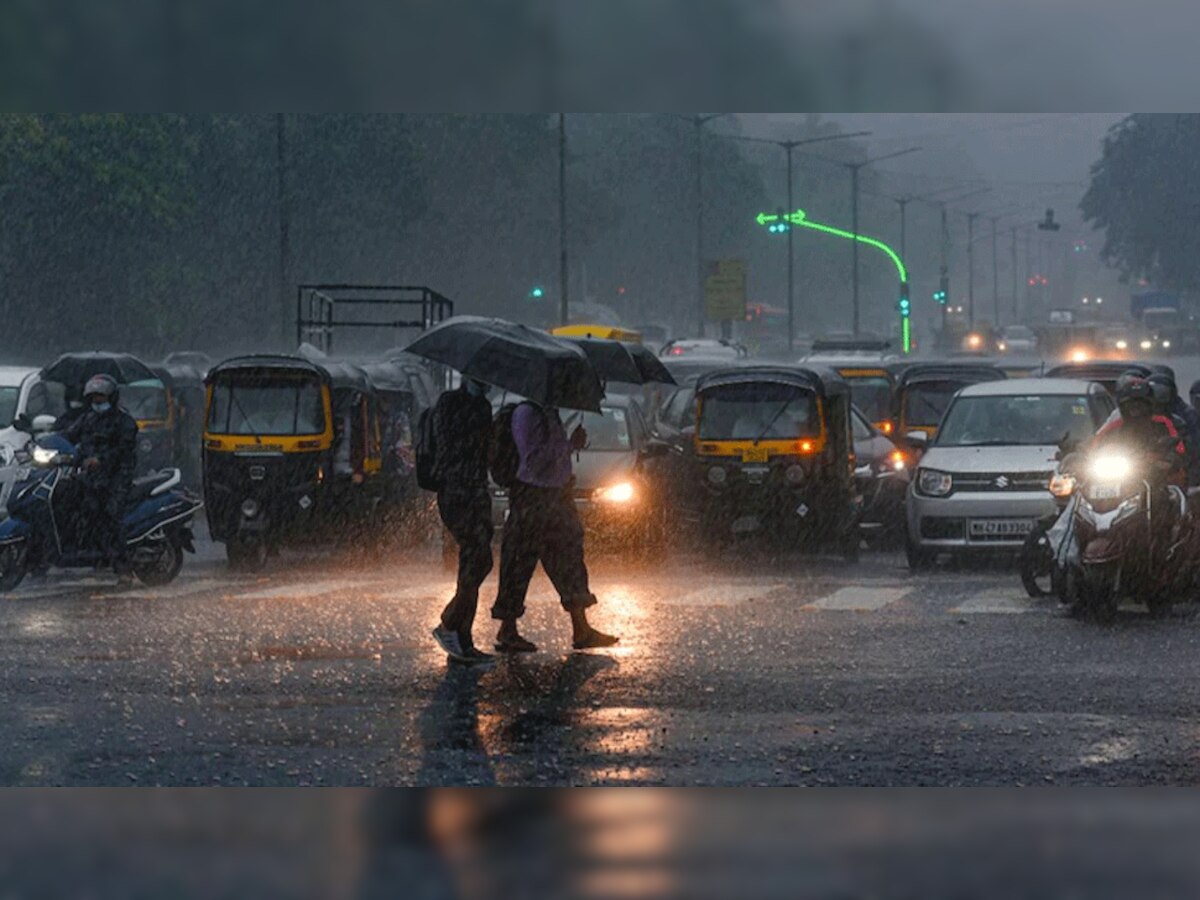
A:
(925, 403)
(1016, 420)
(873, 395)
(8, 405)
(145, 400)
(1018, 333)
(608, 430)
(746, 412)
(248, 405)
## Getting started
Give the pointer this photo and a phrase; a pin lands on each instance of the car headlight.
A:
(1062, 485)
(249, 507)
(1001, 346)
(717, 475)
(934, 483)
(1110, 467)
(621, 493)
(1166, 345)
(44, 456)
(1146, 345)
(1122, 345)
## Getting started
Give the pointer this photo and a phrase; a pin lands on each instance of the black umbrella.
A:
(514, 358)
(626, 363)
(74, 369)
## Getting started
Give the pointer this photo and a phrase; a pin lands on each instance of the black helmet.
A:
(1135, 398)
(1166, 382)
(1194, 390)
(1126, 379)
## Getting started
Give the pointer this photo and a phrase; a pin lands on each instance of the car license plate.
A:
(1001, 527)
(754, 455)
(1104, 492)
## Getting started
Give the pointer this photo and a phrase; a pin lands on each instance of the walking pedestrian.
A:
(462, 425)
(543, 526)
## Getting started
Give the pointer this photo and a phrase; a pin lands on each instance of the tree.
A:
(1144, 193)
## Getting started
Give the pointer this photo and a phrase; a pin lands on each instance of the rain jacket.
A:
(110, 437)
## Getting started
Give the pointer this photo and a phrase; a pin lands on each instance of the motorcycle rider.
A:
(1186, 420)
(106, 439)
(1141, 429)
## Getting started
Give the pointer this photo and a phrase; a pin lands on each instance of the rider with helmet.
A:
(106, 439)
(1140, 427)
(1185, 419)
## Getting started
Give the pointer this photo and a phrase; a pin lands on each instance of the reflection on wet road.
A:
(737, 670)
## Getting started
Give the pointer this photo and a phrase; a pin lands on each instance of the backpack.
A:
(503, 457)
(425, 449)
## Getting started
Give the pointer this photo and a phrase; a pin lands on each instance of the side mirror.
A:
(22, 424)
(918, 439)
(654, 448)
(43, 424)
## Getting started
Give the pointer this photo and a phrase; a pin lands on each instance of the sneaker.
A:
(449, 641)
(478, 657)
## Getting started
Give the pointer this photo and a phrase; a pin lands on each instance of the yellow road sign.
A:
(725, 290)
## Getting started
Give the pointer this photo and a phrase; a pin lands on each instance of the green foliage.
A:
(1144, 193)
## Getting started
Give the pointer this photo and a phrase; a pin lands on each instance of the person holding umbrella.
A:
(551, 374)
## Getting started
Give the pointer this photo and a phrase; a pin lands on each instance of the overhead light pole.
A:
(564, 314)
(698, 122)
(788, 147)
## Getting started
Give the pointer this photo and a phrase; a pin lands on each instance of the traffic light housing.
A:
(942, 294)
(536, 293)
(781, 225)
(904, 306)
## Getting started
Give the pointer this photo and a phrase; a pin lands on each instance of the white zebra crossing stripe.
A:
(724, 594)
(999, 602)
(302, 590)
(860, 599)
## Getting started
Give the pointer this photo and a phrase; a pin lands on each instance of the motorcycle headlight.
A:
(621, 493)
(1062, 485)
(44, 456)
(1110, 467)
(933, 483)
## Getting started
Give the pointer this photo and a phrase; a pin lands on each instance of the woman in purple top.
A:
(543, 526)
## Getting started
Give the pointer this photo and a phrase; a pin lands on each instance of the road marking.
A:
(999, 601)
(301, 590)
(725, 594)
(860, 599)
(168, 591)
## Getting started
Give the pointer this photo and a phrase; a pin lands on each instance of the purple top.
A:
(543, 446)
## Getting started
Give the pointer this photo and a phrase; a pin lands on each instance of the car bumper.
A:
(946, 522)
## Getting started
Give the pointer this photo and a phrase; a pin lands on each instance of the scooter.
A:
(1050, 545)
(157, 524)
(1132, 534)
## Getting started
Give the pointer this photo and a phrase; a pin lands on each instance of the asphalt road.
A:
(733, 670)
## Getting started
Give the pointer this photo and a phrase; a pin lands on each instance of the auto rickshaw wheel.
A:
(246, 556)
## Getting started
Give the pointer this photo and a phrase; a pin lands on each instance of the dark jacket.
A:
(110, 437)
(462, 430)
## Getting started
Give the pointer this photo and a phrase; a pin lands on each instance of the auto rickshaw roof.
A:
(263, 362)
(907, 373)
(1098, 370)
(390, 375)
(823, 381)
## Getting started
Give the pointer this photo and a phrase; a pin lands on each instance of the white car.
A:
(1017, 340)
(983, 482)
(17, 385)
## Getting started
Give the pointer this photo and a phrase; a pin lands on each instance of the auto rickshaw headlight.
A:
(620, 493)
(249, 507)
(794, 474)
(717, 475)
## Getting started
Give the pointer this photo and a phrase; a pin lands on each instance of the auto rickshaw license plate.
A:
(754, 455)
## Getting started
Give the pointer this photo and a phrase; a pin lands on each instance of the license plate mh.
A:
(1001, 527)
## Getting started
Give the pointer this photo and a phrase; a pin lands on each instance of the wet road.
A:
(731, 670)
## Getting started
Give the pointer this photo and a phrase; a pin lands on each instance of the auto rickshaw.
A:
(924, 390)
(186, 385)
(773, 453)
(292, 453)
(603, 332)
(872, 388)
(1104, 372)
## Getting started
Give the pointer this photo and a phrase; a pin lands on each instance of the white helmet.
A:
(100, 385)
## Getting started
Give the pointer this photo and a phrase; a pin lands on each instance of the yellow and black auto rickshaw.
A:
(774, 455)
(924, 390)
(292, 453)
(872, 388)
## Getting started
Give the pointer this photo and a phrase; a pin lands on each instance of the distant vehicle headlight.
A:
(1146, 345)
(1166, 345)
(717, 475)
(44, 456)
(1001, 346)
(934, 483)
(621, 493)
(1122, 345)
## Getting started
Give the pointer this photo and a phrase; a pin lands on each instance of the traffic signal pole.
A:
(564, 314)
(791, 284)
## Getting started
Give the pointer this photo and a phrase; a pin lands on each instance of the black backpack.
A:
(503, 457)
(428, 476)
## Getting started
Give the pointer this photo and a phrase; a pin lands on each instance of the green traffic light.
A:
(537, 293)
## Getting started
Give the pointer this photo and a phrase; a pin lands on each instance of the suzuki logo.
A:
(1002, 482)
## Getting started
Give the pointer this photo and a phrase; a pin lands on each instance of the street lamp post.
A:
(995, 276)
(788, 147)
(564, 314)
(854, 168)
(698, 122)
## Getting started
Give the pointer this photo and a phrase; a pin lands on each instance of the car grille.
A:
(1000, 482)
(939, 529)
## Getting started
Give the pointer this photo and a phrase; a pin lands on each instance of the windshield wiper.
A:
(245, 418)
(771, 424)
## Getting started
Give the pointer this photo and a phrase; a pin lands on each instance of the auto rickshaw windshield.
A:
(758, 411)
(925, 403)
(872, 394)
(246, 404)
(145, 400)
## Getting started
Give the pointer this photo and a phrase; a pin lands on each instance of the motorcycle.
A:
(39, 532)
(1050, 545)
(1132, 532)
